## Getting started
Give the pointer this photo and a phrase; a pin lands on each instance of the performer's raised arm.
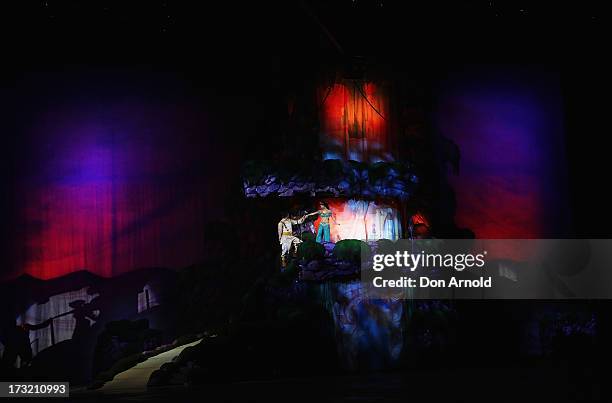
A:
(300, 220)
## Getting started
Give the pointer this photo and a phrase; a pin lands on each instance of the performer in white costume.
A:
(285, 236)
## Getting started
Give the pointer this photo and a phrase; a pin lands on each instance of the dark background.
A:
(248, 54)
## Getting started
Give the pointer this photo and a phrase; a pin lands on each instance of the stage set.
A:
(202, 221)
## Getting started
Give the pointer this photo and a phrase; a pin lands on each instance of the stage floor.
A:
(498, 385)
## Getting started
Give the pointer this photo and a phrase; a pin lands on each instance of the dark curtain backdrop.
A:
(508, 125)
(111, 180)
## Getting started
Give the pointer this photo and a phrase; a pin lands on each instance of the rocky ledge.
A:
(330, 178)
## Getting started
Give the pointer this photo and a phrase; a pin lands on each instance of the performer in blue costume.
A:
(323, 234)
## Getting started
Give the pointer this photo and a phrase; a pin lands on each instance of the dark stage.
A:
(192, 198)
